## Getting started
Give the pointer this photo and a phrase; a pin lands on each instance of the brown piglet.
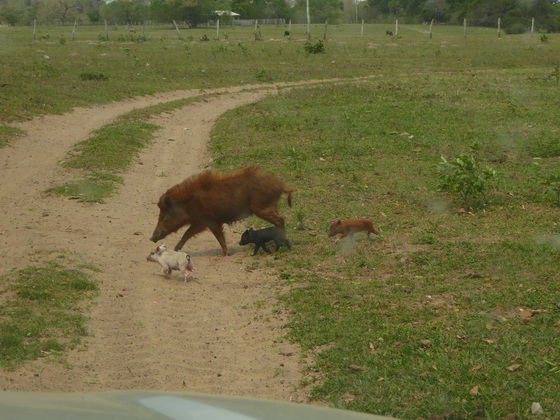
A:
(349, 227)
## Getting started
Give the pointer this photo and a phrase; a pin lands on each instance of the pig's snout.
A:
(157, 235)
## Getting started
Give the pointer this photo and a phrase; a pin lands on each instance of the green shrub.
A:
(314, 48)
(516, 28)
(466, 177)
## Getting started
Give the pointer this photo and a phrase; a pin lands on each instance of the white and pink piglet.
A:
(171, 260)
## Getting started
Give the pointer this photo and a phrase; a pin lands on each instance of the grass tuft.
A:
(41, 311)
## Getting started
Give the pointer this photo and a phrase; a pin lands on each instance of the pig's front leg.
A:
(265, 248)
(191, 231)
(166, 271)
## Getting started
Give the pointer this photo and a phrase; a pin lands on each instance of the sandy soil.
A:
(214, 335)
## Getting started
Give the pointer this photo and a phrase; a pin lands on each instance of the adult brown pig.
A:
(210, 199)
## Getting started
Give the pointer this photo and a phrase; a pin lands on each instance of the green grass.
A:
(7, 134)
(109, 152)
(94, 187)
(47, 76)
(408, 323)
(41, 309)
(431, 308)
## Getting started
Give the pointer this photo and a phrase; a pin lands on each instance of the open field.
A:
(54, 74)
(454, 310)
(449, 311)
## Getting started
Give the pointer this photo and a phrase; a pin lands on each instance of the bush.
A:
(516, 28)
(466, 177)
(316, 48)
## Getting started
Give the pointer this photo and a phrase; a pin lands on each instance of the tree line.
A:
(515, 15)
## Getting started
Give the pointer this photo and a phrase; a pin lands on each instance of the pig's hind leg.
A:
(186, 273)
(271, 215)
(218, 231)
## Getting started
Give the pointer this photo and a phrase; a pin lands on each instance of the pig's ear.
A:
(339, 222)
(168, 201)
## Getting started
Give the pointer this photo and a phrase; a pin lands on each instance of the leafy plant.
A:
(466, 177)
(263, 75)
(314, 48)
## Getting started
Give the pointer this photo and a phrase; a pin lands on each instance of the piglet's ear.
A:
(168, 201)
(339, 222)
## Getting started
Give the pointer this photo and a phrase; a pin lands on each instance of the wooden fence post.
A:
(431, 25)
(532, 25)
(325, 33)
(106, 31)
(34, 29)
(177, 29)
(397, 29)
(218, 29)
(362, 30)
(74, 30)
(465, 28)
(499, 24)
(308, 20)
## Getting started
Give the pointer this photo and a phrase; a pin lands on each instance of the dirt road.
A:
(213, 335)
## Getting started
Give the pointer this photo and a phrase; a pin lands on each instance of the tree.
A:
(194, 12)
(486, 12)
(92, 9)
(249, 9)
(277, 9)
(11, 15)
(58, 11)
(322, 10)
(125, 11)
(435, 9)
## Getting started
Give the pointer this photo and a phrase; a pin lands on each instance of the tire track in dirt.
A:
(213, 335)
